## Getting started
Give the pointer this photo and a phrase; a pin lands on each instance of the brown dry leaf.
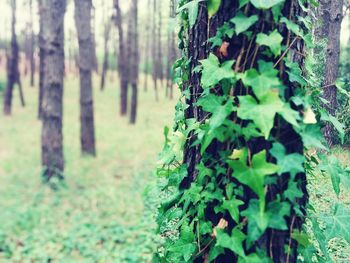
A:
(223, 51)
(221, 225)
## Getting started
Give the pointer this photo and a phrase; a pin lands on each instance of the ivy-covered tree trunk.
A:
(52, 106)
(239, 192)
(86, 65)
(122, 62)
(171, 52)
(329, 17)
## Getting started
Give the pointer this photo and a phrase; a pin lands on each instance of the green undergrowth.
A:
(105, 210)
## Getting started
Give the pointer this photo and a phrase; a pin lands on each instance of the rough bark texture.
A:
(86, 65)
(246, 56)
(52, 138)
(330, 16)
(122, 64)
(134, 59)
(13, 76)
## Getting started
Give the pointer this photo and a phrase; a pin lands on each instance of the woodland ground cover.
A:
(105, 212)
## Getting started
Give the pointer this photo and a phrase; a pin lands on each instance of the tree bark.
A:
(122, 64)
(147, 49)
(13, 75)
(273, 241)
(43, 11)
(154, 49)
(106, 54)
(86, 65)
(31, 46)
(52, 107)
(134, 60)
(330, 15)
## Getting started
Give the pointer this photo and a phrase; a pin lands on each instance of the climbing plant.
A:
(234, 166)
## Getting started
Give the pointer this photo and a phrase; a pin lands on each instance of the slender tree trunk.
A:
(134, 60)
(43, 11)
(330, 16)
(31, 46)
(147, 48)
(122, 63)
(171, 52)
(13, 75)
(52, 106)
(106, 54)
(86, 65)
(154, 49)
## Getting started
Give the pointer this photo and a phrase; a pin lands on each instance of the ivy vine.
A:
(244, 101)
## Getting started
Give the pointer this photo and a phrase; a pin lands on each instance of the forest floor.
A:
(100, 215)
(104, 213)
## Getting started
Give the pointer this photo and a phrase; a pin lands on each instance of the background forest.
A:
(93, 90)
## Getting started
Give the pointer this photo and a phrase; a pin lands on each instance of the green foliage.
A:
(231, 182)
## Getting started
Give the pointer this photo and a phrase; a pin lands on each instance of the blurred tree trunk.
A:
(13, 76)
(106, 36)
(31, 46)
(147, 48)
(160, 48)
(122, 63)
(171, 51)
(154, 49)
(134, 59)
(82, 15)
(330, 16)
(43, 12)
(52, 106)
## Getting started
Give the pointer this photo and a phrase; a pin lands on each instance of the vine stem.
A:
(285, 52)
(290, 238)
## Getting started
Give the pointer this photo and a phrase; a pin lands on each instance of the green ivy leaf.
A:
(261, 82)
(219, 109)
(273, 41)
(213, 72)
(192, 8)
(265, 4)
(243, 23)
(292, 26)
(263, 113)
(312, 137)
(291, 163)
(254, 175)
(232, 206)
(213, 7)
(233, 242)
(337, 224)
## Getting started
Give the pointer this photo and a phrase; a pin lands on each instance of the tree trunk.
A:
(154, 49)
(147, 48)
(52, 107)
(171, 52)
(134, 59)
(43, 11)
(31, 46)
(86, 65)
(273, 243)
(330, 15)
(122, 63)
(13, 75)
(106, 54)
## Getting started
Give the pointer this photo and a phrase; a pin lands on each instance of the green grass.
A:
(100, 215)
